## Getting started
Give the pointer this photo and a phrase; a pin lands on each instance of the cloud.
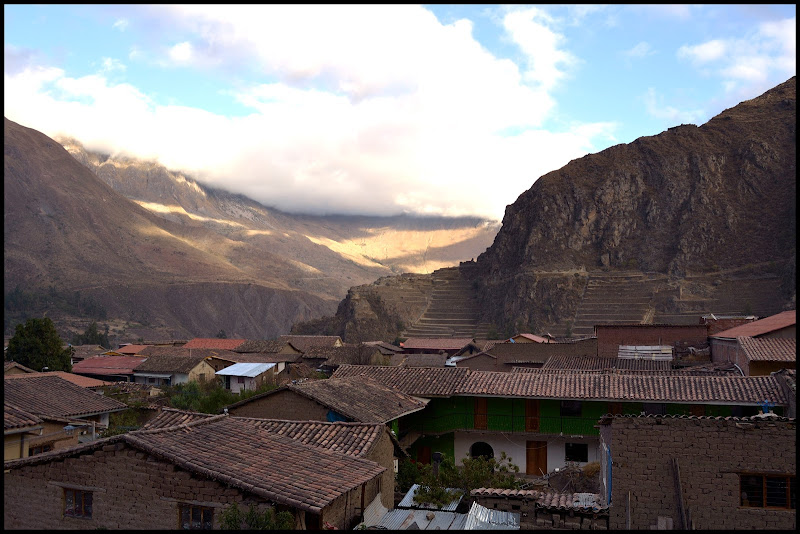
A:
(641, 50)
(655, 108)
(705, 52)
(352, 109)
(121, 24)
(111, 64)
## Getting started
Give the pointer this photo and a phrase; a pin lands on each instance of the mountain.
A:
(154, 254)
(693, 220)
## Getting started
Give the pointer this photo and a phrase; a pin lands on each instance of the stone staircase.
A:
(615, 298)
(452, 308)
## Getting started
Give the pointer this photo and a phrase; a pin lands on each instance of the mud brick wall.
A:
(609, 338)
(711, 453)
(284, 404)
(382, 453)
(130, 490)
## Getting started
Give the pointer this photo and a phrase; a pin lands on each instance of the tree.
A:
(36, 344)
(92, 337)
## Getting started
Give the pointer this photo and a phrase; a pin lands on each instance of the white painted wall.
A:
(514, 447)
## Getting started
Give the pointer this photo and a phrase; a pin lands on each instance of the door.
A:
(531, 415)
(481, 414)
(424, 455)
(536, 458)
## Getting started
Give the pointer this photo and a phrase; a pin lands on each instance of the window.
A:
(241, 379)
(768, 491)
(196, 517)
(77, 503)
(39, 449)
(570, 408)
(576, 452)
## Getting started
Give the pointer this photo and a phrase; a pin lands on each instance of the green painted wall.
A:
(444, 443)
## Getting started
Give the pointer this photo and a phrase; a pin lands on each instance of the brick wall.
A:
(727, 350)
(382, 453)
(533, 517)
(481, 362)
(130, 490)
(711, 454)
(609, 338)
(718, 325)
(284, 404)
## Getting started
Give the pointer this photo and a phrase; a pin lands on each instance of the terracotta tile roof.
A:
(346, 354)
(260, 357)
(169, 350)
(86, 351)
(235, 451)
(107, 365)
(762, 326)
(352, 439)
(54, 396)
(213, 343)
(385, 348)
(129, 350)
(169, 363)
(263, 346)
(359, 398)
(564, 361)
(435, 343)
(709, 369)
(82, 381)
(424, 360)
(304, 343)
(258, 461)
(533, 337)
(17, 419)
(625, 387)
(7, 366)
(418, 381)
(769, 349)
(579, 502)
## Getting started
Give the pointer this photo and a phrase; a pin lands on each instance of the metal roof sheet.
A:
(482, 518)
(246, 369)
(408, 501)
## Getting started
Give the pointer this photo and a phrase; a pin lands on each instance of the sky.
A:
(382, 109)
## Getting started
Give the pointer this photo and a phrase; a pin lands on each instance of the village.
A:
(635, 426)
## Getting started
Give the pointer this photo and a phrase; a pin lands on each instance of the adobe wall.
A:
(583, 347)
(347, 510)
(724, 350)
(480, 363)
(609, 338)
(711, 453)
(284, 404)
(130, 490)
(382, 453)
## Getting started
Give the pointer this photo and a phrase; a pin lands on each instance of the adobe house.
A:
(370, 441)
(43, 413)
(247, 376)
(757, 355)
(185, 476)
(422, 345)
(112, 368)
(303, 343)
(741, 474)
(14, 368)
(170, 369)
(213, 343)
(543, 419)
(679, 336)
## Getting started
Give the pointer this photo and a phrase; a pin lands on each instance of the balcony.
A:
(568, 426)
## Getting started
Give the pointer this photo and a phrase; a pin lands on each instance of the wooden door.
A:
(424, 455)
(531, 415)
(481, 414)
(536, 458)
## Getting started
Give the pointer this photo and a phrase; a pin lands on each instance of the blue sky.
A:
(443, 109)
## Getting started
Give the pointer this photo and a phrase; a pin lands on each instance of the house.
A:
(81, 352)
(757, 357)
(327, 359)
(303, 343)
(247, 376)
(387, 349)
(80, 380)
(529, 338)
(185, 476)
(679, 336)
(370, 441)
(14, 368)
(48, 413)
(742, 474)
(596, 363)
(130, 349)
(217, 358)
(333, 399)
(268, 346)
(213, 343)
(111, 368)
(547, 509)
(171, 369)
(543, 419)
(717, 323)
(450, 345)
(423, 360)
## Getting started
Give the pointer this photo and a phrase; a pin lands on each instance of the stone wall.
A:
(711, 455)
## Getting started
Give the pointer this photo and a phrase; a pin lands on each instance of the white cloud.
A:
(656, 108)
(111, 64)
(360, 109)
(121, 24)
(639, 51)
(705, 52)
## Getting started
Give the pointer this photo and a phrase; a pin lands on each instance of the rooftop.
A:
(250, 370)
(762, 326)
(769, 349)
(169, 363)
(79, 380)
(107, 365)
(54, 396)
(213, 343)
(444, 343)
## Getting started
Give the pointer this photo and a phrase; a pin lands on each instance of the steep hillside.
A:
(702, 218)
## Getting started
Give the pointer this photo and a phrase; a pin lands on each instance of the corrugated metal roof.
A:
(645, 352)
(404, 519)
(408, 501)
(245, 369)
(482, 518)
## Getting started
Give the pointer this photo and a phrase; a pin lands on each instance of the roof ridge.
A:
(190, 424)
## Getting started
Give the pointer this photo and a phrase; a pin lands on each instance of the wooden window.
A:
(241, 379)
(39, 449)
(195, 517)
(481, 419)
(768, 491)
(77, 503)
